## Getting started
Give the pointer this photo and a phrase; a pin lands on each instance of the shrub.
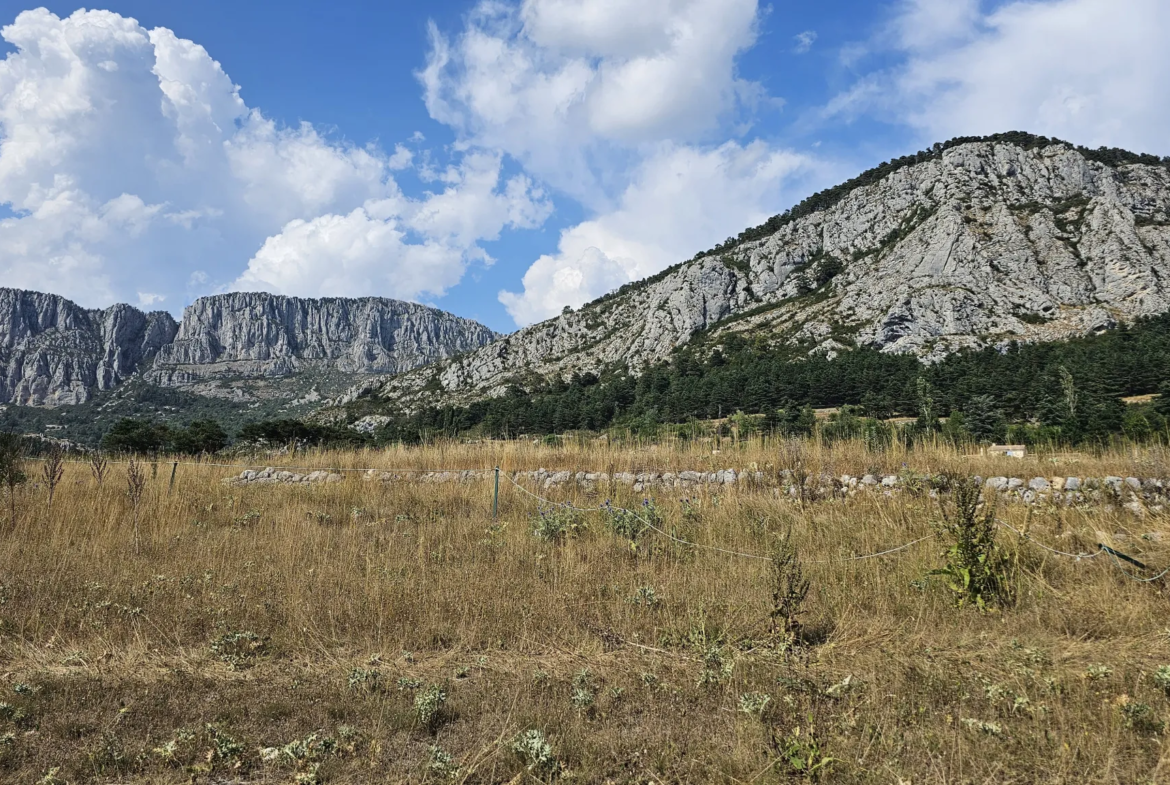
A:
(976, 570)
(554, 524)
(429, 706)
(535, 752)
(789, 589)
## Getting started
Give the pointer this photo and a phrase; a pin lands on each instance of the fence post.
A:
(174, 468)
(496, 497)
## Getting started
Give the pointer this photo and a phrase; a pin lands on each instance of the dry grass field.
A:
(362, 632)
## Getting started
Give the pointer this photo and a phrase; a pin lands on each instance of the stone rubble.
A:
(1139, 497)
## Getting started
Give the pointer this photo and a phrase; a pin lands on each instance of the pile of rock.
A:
(271, 476)
(1139, 496)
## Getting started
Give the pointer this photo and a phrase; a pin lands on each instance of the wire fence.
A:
(1116, 558)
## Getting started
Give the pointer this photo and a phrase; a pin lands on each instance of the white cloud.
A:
(1089, 71)
(681, 200)
(133, 166)
(627, 108)
(568, 87)
(148, 299)
(370, 249)
(805, 41)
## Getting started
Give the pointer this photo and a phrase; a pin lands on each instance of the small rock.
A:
(1038, 484)
(1072, 483)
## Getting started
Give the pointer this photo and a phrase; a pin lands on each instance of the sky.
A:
(502, 159)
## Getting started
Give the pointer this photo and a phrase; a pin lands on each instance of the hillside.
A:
(976, 242)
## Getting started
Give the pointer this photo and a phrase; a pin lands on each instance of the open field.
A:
(359, 632)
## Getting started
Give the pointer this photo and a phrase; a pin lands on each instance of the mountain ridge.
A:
(54, 352)
(981, 242)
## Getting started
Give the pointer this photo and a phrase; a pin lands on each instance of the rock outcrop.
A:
(978, 243)
(53, 352)
(263, 335)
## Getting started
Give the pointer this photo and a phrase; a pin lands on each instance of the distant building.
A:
(1008, 450)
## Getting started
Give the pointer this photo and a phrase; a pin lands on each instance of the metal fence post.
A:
(496, 497)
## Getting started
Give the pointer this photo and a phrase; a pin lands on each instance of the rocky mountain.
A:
(974, 242)
(263, 335)
(54, 352)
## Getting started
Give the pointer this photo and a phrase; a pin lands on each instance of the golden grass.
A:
(118, 680)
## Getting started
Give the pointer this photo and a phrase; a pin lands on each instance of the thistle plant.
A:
(98, 466)
(135, 487)
(53, 470)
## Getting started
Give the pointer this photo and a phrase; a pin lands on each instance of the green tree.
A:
(131, 436)
(201, 436)
(1162, 402)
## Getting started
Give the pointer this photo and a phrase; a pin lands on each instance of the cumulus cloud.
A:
(1090, 71)
(569, 87)
(681, 201)
(625, 107)
(407, 246)
(132, 166)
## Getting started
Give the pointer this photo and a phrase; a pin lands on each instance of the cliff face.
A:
(54, 352)
(986, 242)
(264, 335)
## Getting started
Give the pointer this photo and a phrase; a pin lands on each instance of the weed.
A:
(239, 649)
(632, 524)
(98, 466)
(754, 703)
(407, 684)
(1140, 717)
(53, 469)
(535, 753)
(976, 570)
(645, 596)
(12, 473)
(1098, 672)
(789, 589)
(983, 726)
(430, 707)
(1162, 679)
(135, 487)
(554, 524)
(440, 764)
(364, 679)
(801, 749)
(584, 691)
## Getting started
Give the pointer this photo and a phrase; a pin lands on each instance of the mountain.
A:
(253, 335)
(54, 352)
(974, 242)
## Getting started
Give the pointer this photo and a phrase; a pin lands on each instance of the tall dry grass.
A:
(253, 617)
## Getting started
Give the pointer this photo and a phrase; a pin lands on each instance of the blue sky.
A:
(504, 159)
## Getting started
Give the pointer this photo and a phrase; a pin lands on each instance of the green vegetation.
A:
(1061, 392)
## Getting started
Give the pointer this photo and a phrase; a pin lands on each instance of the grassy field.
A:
(368, 633)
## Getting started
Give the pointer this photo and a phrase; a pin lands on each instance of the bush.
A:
(976, 570)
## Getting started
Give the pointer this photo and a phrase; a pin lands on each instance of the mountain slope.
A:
(975, 242)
